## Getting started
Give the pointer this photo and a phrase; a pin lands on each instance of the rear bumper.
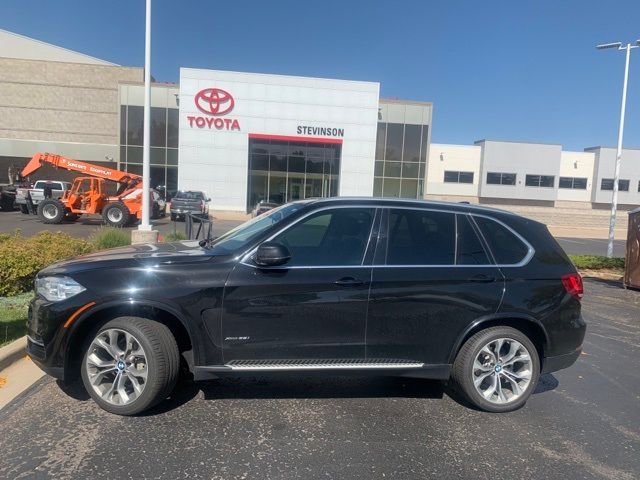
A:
(558, 362)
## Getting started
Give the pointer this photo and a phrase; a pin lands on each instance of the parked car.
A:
(262, 207)
(38, 192)
(189, 201)
(482, 297)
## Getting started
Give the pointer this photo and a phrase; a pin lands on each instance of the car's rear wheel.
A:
(130, 365)
(497, 369)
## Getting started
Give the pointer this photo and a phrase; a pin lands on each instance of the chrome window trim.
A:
(247, 256)
(527, 258)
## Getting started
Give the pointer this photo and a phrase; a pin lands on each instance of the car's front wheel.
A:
(497, 369)
(130, 365)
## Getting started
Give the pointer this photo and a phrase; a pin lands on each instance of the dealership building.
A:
(249, 137)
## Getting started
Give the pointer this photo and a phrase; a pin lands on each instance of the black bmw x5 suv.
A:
(482, 297)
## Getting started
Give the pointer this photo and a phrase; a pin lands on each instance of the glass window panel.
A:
(315, 165)
(123, 154)
(313, 186)
(172, 179)
(506, 247)
(393, 149)
(335, 237)
(451, 177)
(134, 125)
(259, 162)
(379, 168)
(392, 169)
(123, 124)
(157, 176)
(466, 177)
(333, 186)
(172, 127)
(172, 156)
(158, 127)
(421, 172)
(134, 154)
(420, 188)
(258, 187)
(408, 188)
(137, 169)
(391, 187)
(260, 147)
(580, 183)
(157, 156)
(420, 238)
(623, 185)
(508, 179)
(295, 186)
(411, 150)
(380, 139)
(410, 170)
(547, 181)
(565, 182)
(425, 144)
(470, 250)
(532, 180)
(296, 163)
(278, 187)
(607, 184)
(377, 187)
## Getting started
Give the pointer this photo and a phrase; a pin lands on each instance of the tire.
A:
(24, 209)
(116, 214)
(494, 378)
(51, 211)
(161, 357)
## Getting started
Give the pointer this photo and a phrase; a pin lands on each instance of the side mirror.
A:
(272, 254)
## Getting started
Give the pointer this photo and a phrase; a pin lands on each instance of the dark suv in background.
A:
(445, 291)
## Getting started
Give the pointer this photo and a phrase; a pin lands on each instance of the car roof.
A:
(406, 202)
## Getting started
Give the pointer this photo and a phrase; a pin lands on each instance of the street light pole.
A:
(616, 177)
(144, 224)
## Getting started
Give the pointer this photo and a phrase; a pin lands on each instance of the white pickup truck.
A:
(37, 193)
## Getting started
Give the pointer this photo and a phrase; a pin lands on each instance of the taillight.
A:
(573, 285)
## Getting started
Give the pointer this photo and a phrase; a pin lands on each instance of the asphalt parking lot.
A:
(85, 226)
(582, 423)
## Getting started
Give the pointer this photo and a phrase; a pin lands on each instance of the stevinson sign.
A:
(215, 103)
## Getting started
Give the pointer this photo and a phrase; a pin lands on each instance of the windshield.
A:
(190, 195)
(243, 234)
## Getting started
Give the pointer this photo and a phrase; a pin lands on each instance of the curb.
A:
(13, 352)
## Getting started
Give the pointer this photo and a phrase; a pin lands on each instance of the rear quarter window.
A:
(506, 247)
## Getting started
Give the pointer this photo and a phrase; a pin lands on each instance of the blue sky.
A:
(511, 70)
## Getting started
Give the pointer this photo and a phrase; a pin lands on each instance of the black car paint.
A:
(234, 309)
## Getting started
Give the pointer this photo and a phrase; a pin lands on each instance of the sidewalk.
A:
(16, 378)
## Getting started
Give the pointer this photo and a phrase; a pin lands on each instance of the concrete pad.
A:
(16, 378)
(144, 236)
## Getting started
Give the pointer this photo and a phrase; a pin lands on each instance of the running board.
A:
(323, 364)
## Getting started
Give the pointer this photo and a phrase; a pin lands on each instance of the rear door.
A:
(432, 278)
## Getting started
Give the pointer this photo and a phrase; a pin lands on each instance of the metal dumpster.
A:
(632, 263)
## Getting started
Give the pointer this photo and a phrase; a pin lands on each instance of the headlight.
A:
(55, 289)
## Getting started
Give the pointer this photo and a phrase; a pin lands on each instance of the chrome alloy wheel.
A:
(502, 370)
(116, 366)
(50, 211)
(114, 215)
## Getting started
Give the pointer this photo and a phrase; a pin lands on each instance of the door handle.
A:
(349, 282)
(482, 278)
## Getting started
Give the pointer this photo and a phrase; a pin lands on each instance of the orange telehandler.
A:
(88, 193)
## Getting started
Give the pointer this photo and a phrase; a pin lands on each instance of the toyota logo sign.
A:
(214, 101)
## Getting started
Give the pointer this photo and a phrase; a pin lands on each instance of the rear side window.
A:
(506, 247)
(470, 250)
(421, 237)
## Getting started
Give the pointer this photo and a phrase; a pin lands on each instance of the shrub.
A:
(21, 258)
(109, 237)
(596, 262)
(174, 237)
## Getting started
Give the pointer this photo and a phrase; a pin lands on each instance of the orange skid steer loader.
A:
(88, 193)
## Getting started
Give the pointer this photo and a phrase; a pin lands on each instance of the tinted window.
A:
(394, 141)
(607, 184)
(576, 183)
(420, 238)
(505, 246)
(497, 178)
(470, 250)
(330, 237)
(458, 177)
(539, 180)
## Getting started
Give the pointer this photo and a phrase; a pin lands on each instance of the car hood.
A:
(145, 254)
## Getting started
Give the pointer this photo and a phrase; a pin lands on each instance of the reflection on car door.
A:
(432, 278)
(314, 306)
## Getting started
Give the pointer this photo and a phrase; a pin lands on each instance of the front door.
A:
(314, 306)
(432, 278)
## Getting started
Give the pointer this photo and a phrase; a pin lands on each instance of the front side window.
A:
(421, 237)
(506, 247)
(607, 184)
(539, 180)
(329, 237)
(498, 178)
